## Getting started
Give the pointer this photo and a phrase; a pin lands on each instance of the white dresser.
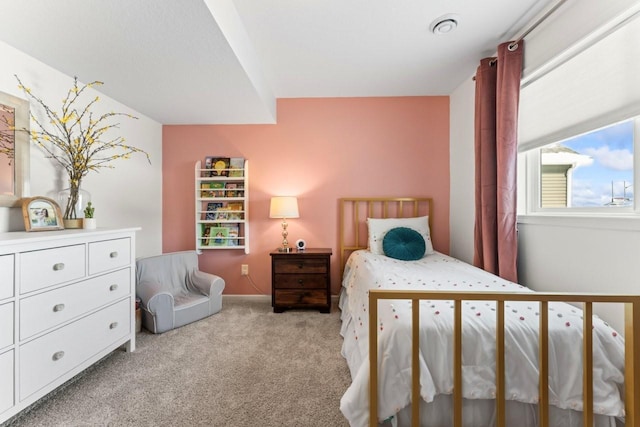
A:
(67, 299)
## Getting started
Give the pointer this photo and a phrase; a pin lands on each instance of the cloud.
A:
(620, 160)
(586, 193)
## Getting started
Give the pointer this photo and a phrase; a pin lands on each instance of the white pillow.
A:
(378, 227)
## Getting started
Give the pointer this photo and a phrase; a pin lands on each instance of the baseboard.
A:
(267, 298)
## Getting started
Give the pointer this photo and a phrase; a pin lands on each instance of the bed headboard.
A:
(354, 212)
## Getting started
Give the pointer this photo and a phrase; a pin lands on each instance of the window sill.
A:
(603, 222)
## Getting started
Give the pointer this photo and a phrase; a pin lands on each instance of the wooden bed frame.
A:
(353, 236)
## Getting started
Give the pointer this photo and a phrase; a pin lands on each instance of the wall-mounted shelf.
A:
(222, 208)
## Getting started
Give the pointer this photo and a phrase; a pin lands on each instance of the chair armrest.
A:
(207, 283)
(153, 296)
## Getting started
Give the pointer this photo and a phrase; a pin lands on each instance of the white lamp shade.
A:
(284, 207)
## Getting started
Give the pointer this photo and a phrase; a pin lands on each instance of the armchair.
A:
(173, 292)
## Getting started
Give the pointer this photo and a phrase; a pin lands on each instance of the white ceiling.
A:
(227, 61)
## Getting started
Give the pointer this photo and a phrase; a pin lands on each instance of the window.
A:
(593, 170)
(579, 121)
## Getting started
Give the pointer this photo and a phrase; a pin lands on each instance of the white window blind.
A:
(598, 86)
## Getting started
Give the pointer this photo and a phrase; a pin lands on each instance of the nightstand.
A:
(301, 279)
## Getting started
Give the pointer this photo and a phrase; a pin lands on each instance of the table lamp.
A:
(284, 207)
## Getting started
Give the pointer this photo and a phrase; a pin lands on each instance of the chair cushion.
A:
(170, 271)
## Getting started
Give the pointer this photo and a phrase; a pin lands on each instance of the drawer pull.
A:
(58, 267)
(58, 307)
(300, 265)
(300, 282)
(113, 287)
(113, 325)
(57, 356)
(113, 254)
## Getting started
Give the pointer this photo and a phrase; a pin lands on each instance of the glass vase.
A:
(72, 201)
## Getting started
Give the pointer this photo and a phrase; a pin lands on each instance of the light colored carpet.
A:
(244, 366)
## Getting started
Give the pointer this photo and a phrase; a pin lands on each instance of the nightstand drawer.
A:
(297, 265)
(295, 298)
(300, 281)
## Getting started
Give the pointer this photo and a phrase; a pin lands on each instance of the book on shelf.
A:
(232, 234)
(219, 236)
(218, 188)
(230, 189)
(222, 214)
(205, 235)
(212, 207)
(235, 211)
(216, 166)
(205, 190)
(236, 167)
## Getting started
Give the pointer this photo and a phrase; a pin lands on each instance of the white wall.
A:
(554, 255)
(462, 170)
(130, 194)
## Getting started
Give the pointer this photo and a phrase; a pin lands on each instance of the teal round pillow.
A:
(403, 243)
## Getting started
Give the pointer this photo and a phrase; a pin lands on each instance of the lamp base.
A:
(285, 249)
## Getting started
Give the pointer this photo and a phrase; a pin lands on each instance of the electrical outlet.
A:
(244, 269)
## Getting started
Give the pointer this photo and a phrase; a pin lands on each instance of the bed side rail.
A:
(632, 342)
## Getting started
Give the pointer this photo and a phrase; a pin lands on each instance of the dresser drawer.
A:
(43, 311)
(109, 255)
(45, 359)
(6, 380)
(40, 269)
(6, 325)
(295, 265)
(6, 276)
(300, 281)
(293, 298)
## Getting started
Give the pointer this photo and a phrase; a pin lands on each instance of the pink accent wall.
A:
(321, 149)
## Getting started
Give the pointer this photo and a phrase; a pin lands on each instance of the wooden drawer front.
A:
(6, 325)
(40, 269)
(41, 312)
(6, 385)
(308, 265)
(301, 298)
(45, 359)
(301, 281)
(109, 254)
(6, 276)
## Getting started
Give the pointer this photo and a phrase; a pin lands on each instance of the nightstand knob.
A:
(300, 265)
(300, 282)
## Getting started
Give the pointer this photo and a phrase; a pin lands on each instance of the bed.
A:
(478, 357)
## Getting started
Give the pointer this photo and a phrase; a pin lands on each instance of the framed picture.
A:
(41, 214)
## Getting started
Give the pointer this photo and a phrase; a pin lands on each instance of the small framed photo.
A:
(41, 214)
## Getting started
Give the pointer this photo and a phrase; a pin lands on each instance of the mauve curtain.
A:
(496, 131)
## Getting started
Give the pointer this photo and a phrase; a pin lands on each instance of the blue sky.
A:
(612, 151)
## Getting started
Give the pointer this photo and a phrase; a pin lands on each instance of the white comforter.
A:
(365, 271)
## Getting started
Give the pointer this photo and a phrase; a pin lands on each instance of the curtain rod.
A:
(513, 45)
(537, 23)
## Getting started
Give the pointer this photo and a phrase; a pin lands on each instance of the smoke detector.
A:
(444, 25)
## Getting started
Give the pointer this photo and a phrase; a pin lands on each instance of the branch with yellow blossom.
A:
(76, 139)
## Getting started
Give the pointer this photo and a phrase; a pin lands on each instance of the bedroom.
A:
(314, 127)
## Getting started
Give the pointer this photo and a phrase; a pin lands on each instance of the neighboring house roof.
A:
(558, 154)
